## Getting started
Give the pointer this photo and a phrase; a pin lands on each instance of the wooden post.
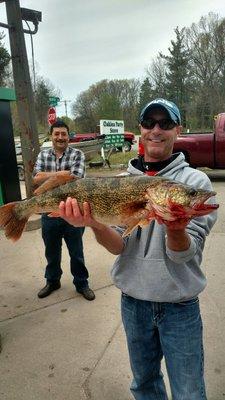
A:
(24, 94)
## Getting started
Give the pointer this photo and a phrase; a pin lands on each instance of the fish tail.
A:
(10, 222)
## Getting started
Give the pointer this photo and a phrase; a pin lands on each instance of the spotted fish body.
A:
(128, 201)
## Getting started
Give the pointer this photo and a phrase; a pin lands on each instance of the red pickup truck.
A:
(202, 149)
(129, 139)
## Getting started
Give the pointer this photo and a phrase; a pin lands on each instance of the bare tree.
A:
(206, 44)
(114, 99)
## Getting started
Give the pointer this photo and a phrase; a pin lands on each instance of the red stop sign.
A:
(51, 115)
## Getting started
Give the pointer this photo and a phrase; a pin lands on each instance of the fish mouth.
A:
(205, 206)
(200, 201)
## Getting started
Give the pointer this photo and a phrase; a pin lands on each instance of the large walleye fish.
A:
(120, 200)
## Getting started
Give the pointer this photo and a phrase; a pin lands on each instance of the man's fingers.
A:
(178, 224)
(75, 208)
(86, 210)
(75, 214)
(62, 207)
(68, 207)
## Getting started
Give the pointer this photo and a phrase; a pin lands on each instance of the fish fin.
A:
(12, 225)
(131, 227)
(54, 214)
(53, 182)
(137, 214)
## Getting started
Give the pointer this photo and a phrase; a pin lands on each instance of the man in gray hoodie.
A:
(158, 270)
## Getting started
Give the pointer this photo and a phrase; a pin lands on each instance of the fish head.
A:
(172, 200)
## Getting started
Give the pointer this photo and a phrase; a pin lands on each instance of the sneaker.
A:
(48, 289)
(87, 293)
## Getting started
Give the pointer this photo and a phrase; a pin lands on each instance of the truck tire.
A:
(126, 146)
(96, 164)
(21, 172)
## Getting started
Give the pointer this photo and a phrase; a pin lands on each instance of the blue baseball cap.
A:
(169, 106)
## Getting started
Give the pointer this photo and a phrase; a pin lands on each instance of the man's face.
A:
(60, 138)
(158, 143)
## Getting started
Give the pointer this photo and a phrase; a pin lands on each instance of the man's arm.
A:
(41, 177)
(105, 235)
(178, 239)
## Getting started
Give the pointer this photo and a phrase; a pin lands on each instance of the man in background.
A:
(61, 162)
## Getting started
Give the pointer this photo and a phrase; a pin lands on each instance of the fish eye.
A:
(193, 192)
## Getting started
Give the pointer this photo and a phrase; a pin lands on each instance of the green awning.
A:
(7, 94)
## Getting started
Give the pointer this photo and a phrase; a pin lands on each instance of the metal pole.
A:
(65, 102)
(24, 94)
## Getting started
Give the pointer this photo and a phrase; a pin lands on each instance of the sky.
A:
(80, 42)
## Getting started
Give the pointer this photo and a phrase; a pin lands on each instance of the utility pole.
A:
(65, 104)
(23, 88)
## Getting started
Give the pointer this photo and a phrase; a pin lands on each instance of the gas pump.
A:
(9, 180)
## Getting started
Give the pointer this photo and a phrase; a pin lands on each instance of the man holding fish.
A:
(158, 264)
(156, 220)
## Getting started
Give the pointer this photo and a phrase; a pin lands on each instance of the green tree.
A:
(177, 75)
(44, 89)
(108, 107)
(4, 62)
(146, 93)
(114, 99)
(156, 74)
(68, 121)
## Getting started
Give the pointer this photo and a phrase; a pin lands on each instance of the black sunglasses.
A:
(165, 124)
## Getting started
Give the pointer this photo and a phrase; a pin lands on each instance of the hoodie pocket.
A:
(147, 279)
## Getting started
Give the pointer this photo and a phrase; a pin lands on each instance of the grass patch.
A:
(117, 158)
(118, 162)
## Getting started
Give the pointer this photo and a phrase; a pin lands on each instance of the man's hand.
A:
(179, 224)
(82, 216)
(177, 238)
(74, 215)
(41, 177)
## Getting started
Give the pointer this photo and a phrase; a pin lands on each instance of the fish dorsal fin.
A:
(53, 182)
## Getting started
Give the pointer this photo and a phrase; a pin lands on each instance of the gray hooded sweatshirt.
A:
(147, 269)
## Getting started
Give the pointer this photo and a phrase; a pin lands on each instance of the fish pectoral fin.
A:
(53, 182)
(135, 216)
(131, 227)
(54, 214)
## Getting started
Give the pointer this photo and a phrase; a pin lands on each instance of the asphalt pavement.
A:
(66, 348)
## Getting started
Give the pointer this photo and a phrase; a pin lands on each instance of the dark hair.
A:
(59, 124)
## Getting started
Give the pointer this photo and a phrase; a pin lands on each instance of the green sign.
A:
(113, 141)
(53, 101)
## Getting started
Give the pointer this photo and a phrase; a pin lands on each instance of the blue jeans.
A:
(172, 330)
(53, 231)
